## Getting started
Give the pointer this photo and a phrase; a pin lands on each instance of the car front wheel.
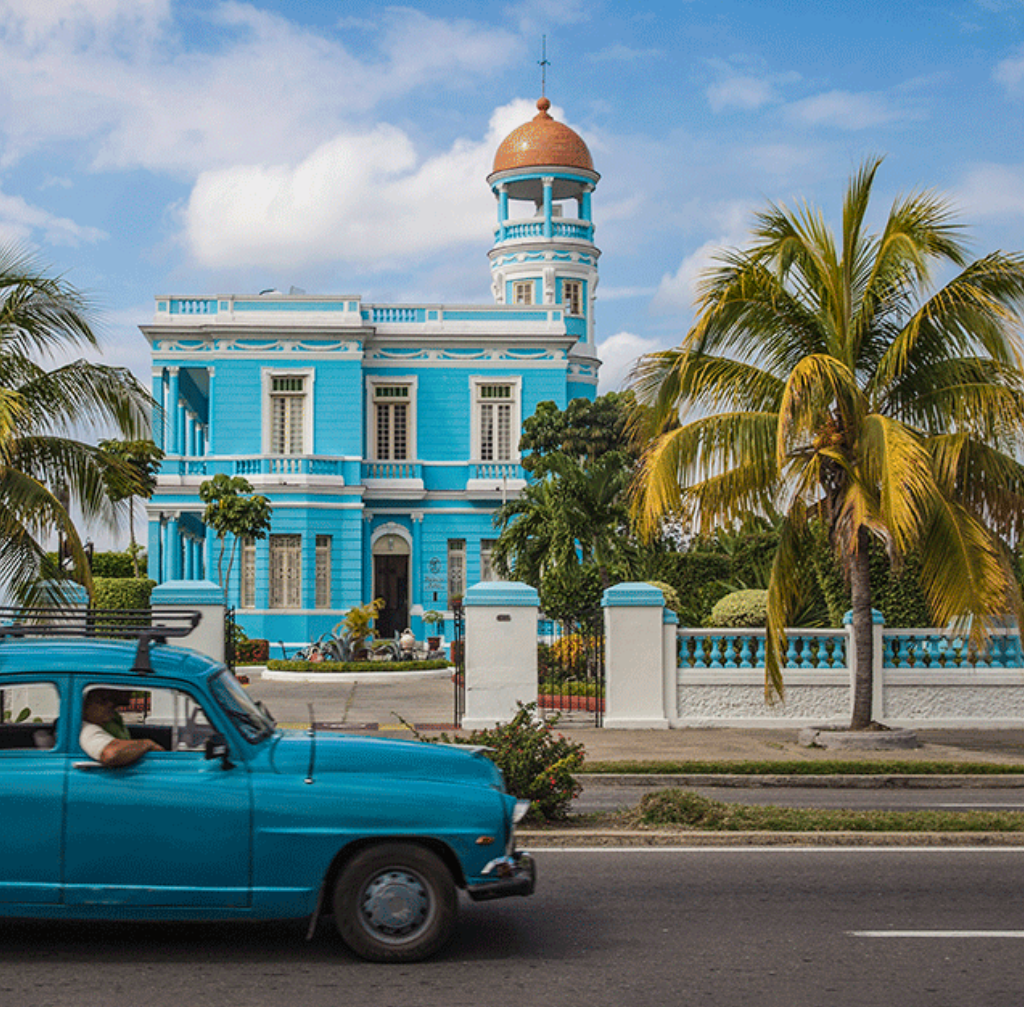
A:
(395, 902)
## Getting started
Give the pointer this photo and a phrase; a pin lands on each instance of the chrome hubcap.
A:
(395, 904)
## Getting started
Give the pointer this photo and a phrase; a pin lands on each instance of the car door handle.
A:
(87, 766)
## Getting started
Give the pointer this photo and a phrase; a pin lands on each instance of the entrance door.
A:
(391, 582)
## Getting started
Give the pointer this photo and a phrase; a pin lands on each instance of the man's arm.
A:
(118, 753)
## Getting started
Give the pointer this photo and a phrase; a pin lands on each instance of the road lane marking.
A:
(939, 935)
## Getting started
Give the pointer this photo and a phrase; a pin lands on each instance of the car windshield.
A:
(254, 722)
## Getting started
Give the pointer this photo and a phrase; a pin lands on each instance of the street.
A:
(715, 927)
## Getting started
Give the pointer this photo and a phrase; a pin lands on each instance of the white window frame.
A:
(572, 296)
(488, 572)
(323, 550)
(269, 374)
(523, 292)
(479, 399)
(285, 573)
(372, 384)
(247, 578)
(456, 566)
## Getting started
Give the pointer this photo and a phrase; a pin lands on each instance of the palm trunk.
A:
(863, 632)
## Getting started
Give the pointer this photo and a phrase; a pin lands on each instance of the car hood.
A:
(412, 759)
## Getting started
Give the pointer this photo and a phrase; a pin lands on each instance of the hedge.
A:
(121, 593)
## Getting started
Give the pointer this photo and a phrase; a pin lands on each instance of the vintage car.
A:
(234, 818)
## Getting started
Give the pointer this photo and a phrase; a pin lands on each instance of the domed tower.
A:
(544, 253)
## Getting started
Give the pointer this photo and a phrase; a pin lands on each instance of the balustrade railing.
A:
(811, 648)
(742, 648)
(909, 648)
(392, 470)
(496, 471)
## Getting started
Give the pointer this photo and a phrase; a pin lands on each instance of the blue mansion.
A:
(385, 436)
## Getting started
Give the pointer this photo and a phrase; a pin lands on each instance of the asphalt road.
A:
(660, 927)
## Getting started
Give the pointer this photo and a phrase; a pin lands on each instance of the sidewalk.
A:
(380, 708)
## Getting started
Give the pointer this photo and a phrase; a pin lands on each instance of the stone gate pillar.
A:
(501, 652)
(635, 653)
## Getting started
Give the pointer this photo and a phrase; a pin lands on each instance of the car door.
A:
(171, 830)
(32, 772)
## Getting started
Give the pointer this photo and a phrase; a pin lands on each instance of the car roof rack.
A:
(102, 624)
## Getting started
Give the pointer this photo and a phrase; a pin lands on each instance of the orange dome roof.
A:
(543, 142)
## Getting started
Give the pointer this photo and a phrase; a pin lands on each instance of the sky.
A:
(197, 147)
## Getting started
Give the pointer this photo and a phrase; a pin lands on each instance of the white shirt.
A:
(94, 739)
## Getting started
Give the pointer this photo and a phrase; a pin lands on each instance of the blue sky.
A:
(197, 146)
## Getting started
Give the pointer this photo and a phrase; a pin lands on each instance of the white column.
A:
(634, 657)
(501, 652)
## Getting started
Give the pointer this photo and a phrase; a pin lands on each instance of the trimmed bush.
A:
(252, 652)
(119, 593)
(742, 609)
(293, 665)
(116, 565)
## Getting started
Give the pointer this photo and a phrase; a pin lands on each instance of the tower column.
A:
(549, 187)
(502, 211)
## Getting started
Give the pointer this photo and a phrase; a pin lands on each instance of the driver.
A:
(104, 736)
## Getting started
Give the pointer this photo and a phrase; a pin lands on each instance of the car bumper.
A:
(514, 875)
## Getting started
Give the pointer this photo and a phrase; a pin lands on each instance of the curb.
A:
(529, 839)
(894, 781)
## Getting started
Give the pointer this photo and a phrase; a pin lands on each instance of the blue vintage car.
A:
(233, 817)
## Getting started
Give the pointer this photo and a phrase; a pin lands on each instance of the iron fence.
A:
(570, 668)
(459, 663)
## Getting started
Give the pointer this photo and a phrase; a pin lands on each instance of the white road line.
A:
(939, 935)
(718, 851)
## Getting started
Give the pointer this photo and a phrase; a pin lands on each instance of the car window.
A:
(29, 713)
(252, 720)
(170, 716)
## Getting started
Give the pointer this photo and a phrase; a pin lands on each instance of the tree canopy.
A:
(46, 470)
(830, 378)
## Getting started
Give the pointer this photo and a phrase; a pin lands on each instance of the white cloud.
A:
(1010, 73)
(992, 190)
(678, 291)
(361, 198)
(847, 110)
(114, 74)
(619, 354)
(22, 221)
(743, 92)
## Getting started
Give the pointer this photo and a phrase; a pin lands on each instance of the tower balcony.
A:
(535, 227)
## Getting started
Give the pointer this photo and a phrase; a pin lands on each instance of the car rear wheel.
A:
(395, 902)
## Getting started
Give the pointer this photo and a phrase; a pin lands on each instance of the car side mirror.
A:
(217, 746)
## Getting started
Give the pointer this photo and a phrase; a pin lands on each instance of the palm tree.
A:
(829, 378)
(43, 469)
(574, 515)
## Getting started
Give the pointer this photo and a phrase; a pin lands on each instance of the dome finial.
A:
(544, 64)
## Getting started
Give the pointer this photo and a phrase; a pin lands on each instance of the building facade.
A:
(384, 435)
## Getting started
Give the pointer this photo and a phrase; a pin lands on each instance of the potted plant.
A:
(433, 618)
(357, 627)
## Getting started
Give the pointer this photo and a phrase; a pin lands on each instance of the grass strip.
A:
(798, 768)
(687, 810)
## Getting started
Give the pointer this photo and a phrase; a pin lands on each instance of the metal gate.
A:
(229, 639)
(570, 669)
(459, 661)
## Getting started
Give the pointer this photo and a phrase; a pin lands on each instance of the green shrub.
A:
(293, 665)
(252, 652)
(538, 763)
(118, 593)
(742, 609)
(116, 565)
